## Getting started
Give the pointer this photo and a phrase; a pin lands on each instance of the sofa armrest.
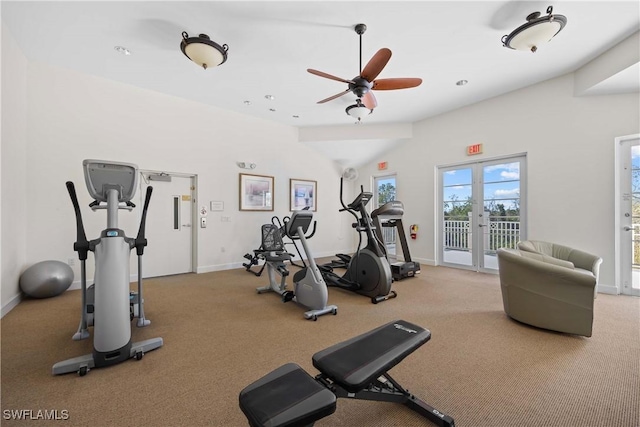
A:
(586, 261)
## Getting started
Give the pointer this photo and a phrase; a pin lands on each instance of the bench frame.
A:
(386, 389)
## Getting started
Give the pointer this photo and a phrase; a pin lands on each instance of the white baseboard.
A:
(607, 289)
(425, 261)
(219, 267)
(13, 302)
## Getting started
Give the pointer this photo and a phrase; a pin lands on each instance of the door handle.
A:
(186, 225)
(627, 228)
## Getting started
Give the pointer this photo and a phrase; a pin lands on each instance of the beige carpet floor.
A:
(480, 367)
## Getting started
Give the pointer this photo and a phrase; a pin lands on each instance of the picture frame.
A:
(303, 193)
(256, 192)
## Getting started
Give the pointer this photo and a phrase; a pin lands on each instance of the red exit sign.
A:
(474, 149)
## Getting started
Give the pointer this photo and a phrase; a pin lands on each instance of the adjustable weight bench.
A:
(356, 368)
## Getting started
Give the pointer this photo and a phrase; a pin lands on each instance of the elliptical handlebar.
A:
(81, 244)
(141, 240)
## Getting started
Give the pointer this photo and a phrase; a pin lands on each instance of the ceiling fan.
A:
(365, 82)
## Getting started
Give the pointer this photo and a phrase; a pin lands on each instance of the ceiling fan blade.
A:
(401, 83)
(338, 95)
(369, 100)
(376, 64)
(328, 76)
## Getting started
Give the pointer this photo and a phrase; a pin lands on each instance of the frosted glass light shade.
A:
(358, 111)
(536, 32)
(203, 51)
(535, 36)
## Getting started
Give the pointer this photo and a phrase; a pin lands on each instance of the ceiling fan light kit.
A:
(535, 32)
(203, 51)
(363, 84)
(358, 111)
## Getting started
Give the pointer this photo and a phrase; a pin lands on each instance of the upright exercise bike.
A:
(368, 270)
(108, 304)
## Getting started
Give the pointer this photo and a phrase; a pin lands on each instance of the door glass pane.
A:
(635, 216)
(501, 215)
(385, 191)
(457, 208)
(176, 213)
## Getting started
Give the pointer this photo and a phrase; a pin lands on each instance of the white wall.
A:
(13, 170)
(73, 116)
(569, 143)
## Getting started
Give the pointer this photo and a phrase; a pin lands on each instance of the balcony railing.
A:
(498, 232)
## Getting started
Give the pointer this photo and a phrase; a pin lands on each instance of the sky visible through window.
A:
(635, 173)
(501, 184)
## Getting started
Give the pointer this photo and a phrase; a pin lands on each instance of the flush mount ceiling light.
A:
(203, 51)
(535, 32)
(358, 111)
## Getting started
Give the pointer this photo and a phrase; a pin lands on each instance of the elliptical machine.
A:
(368, 270)
(108, 304)
(310, 290)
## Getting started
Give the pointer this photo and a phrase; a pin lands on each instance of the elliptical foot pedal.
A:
(287, 396)
(382, 298)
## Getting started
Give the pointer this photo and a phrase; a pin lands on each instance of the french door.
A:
(628, 215)
(481, 209)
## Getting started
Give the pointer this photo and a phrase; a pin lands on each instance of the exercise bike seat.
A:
(286, 397)
(359, 361)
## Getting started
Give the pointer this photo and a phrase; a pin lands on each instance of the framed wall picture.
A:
(256, 192)
(302, 194)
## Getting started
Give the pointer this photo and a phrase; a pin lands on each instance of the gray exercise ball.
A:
(46, 279)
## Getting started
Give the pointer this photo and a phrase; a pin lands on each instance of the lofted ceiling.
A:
(271, 45)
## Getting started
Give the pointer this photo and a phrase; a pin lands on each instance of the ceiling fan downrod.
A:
(360, 29)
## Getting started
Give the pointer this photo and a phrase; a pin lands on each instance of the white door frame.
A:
(194, 209)
(618, 232)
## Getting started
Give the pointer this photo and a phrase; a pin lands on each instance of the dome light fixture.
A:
(203, 51)
(536, 31)
(358, 111)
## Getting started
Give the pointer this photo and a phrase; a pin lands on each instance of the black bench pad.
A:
(357, 362)
(287, 396)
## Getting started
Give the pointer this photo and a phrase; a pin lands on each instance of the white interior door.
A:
(170, 226)
(629, 216)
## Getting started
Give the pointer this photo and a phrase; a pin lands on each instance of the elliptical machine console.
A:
(107, 304)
